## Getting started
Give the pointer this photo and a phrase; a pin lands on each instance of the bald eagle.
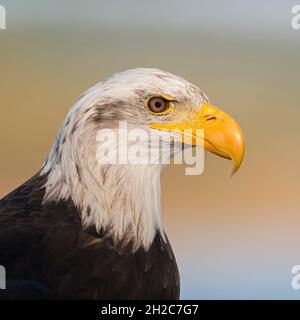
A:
(79, 229)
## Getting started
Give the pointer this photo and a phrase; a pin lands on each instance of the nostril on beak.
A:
(211, 118)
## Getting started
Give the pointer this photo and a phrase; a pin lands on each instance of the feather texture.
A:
(46, 245)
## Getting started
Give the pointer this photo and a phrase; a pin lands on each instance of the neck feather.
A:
(123, 200)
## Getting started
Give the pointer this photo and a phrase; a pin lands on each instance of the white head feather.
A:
(123, 200)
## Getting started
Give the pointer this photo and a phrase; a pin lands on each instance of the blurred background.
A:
(233, 237)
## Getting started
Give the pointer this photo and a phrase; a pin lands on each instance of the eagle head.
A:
(120, 198)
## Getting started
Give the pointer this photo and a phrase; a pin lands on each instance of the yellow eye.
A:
(158, 105)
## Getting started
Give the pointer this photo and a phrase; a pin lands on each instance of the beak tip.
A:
(233, 172)
(237, 164)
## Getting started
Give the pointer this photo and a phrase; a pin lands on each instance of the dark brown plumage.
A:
(46, 246)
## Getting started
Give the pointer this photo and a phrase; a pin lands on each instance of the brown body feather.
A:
(46, 245)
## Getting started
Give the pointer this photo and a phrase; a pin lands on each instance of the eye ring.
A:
(159, 105)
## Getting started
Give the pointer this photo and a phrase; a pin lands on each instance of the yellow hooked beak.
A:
(212, 129)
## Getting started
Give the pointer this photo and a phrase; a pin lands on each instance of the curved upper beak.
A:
(222, 135)
(214, 130)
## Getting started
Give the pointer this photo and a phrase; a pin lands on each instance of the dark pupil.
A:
(157, 104)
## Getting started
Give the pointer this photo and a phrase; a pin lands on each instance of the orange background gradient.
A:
(233, 237)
